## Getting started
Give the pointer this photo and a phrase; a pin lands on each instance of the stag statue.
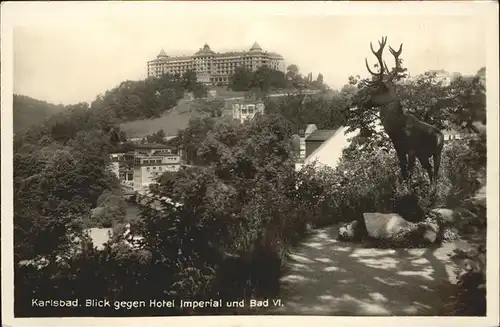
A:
(411, 137)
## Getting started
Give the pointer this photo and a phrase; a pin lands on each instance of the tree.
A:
(266, 79)
(192, 137)
(292, 72)
(200, 91)
(302, 109)
(60, 169)
(47, 208)
(109, 211)
(319, 79)
(158, 137)
(28, 112)
(241, 80)
(189, 80)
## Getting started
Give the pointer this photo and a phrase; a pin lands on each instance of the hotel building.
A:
(215, 68)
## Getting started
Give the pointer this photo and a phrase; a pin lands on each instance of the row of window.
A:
(216, 64)
(155, 168)
(250, 111)
(153, 161)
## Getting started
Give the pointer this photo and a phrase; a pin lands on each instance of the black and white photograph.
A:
(271, 160)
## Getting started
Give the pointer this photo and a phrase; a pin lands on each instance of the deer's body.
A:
(411, 137)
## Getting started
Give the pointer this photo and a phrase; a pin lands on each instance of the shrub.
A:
(470, 297)
(461, 170)
(368, 182)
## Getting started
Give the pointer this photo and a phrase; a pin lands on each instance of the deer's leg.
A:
(424, 161)
(403, 162)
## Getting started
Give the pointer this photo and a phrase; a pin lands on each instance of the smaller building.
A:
(212, 94)
(245, 109)
(141, 166)
(122, 166)
(317, 138)
(452, 135)
(147, 168)
(325, 147)
(302, 135)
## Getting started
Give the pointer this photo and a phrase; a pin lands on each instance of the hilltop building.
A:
(213, 68)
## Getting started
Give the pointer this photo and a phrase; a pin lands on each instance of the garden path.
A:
(329, 277)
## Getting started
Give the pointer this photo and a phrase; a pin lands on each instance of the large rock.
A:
(445, 215)
(430, 231)
(391, 230)
(388, 227)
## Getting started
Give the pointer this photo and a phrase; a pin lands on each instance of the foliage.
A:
(29, 112)
(457, 104)
(109, 211)
(158, 137)
(366, 180)
(470, 298)
(302, 109)
(242, 201)
(59, 173)
(212, 107)
(116, 273)
(241, 80)
(148, 98)
(464, 178)
(264, 79)
(191, 137)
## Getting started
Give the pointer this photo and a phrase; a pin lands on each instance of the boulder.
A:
(388, 227)
(390, 230)
(349, 231)
(430, 231)
(445, 215)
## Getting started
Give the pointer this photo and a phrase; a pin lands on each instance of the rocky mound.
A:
(394, 231)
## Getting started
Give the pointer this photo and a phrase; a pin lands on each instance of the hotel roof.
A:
(162, 53)
(254, 50)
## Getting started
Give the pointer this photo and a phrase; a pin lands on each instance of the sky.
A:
(70, 53)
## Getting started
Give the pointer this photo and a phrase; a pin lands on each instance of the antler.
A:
(378, 54)
(396, 68)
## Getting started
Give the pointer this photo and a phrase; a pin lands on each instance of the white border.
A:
(16, 14)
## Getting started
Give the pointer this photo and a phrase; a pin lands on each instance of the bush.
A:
(110, 211)
(460, 168)
(368, 182)
(116, 273)
(367, 179)
(470, 297)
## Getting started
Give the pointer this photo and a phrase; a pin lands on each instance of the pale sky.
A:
(71, 53)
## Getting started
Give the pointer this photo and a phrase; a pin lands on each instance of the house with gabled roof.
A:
(325, 146)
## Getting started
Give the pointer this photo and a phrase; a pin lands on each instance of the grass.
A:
(175, 119)
(171, 122)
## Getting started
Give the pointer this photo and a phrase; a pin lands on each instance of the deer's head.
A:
(381, 89)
